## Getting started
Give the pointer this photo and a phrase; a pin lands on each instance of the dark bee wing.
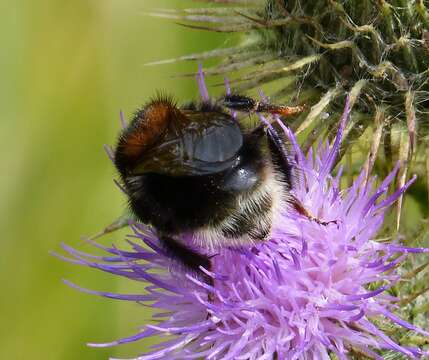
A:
(198, 143)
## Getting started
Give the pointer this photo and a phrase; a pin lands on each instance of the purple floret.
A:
(308, 291)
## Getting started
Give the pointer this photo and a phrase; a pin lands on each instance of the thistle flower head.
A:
(309, 291)
(309, 51)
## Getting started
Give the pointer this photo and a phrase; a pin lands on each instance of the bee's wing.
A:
(204, 143)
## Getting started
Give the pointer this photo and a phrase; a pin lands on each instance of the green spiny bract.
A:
(316, 50)
(378, 49)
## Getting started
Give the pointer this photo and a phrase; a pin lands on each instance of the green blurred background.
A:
(66, 70)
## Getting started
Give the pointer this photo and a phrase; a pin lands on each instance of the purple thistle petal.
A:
(227, 86)
(122, 118)
(200, 283)
(389, 178)
(213, 275)
(205, 97)
(228, 92)
(295, 258)
(341, 307)
(184, 329)
(139, 336)
(129, 297)
(405, 249)
(336, 145)
(302, 294)
(66, 259)
(392, 198)
(109, 152)
(120, 187)
(90, 256)
(372, 200)
(392, 264)
(369, 352)
(292, 138)
(278, 272)
(389, 343)
(264, 120)
(402, 323)
(154, 279)
(358, 316)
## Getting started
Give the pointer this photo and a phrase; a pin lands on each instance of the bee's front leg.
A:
(300, 208)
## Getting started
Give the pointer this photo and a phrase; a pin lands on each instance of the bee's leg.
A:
(243, 103)
(279, 157)
(299, 207)
(280, 109)
(189, 258)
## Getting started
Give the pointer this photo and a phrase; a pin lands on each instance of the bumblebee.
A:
(194, 170)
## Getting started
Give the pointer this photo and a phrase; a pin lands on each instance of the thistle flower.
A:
(308, 292)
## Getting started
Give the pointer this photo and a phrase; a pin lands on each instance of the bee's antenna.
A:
(279, 109)
(247, 104)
